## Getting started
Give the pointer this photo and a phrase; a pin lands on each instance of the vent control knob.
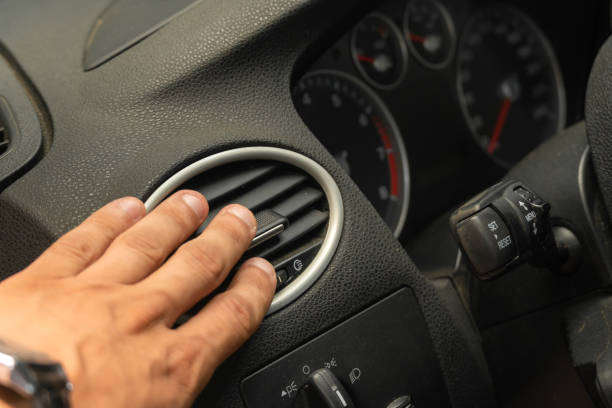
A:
(269, 224)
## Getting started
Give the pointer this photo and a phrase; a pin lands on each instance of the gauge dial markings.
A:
(354, 125)
(509, 83)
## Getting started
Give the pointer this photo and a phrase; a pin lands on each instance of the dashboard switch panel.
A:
(377, 355)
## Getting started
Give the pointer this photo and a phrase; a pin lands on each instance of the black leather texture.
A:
(216, 77)
(599, 119)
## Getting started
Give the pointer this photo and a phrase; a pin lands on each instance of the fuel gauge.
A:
(430, 33)
(379, 51)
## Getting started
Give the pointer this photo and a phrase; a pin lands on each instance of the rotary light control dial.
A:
(323, 390)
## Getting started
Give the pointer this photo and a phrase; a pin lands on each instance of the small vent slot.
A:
(265, 185)
(4, 139)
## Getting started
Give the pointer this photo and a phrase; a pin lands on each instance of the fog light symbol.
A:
(354, 375)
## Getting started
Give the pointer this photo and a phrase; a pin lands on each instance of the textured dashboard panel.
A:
(217, 76)
(124, 23)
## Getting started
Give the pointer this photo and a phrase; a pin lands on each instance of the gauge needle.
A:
(365, 59)
(417, 38)
(499, 124)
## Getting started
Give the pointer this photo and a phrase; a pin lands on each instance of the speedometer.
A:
(356, 127)
(509, 84)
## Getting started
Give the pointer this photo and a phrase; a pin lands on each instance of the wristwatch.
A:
(34, 376)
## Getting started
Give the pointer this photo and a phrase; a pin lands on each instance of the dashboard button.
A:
(529, 196)
(298, 262)
(487, 241)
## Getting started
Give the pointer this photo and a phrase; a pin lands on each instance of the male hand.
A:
(102, 301)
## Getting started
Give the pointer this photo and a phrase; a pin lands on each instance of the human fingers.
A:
(83, 245)
(143, 248)
(200, 265)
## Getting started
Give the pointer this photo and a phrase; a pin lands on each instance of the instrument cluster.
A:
(424, 102)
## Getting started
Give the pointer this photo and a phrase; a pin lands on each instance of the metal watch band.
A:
(35, 376)
(52, 398)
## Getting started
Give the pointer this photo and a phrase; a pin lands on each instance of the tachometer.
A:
(356, 127)
(509, 84)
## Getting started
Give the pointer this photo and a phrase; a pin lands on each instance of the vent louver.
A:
(4, 139)
(288, 192)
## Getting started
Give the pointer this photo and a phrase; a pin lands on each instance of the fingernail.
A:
(195, 204)
(131, 206)
(264, 266)
(244, 214)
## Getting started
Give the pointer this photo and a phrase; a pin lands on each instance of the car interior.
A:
(432, 180)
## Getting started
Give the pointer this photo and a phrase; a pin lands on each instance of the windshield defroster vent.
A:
(296, 202)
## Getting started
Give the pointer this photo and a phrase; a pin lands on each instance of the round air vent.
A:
(296, 202)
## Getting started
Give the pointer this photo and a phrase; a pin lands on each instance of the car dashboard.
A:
(357, 127)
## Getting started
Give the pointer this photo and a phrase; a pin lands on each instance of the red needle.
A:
(499, 125)
(417, 38)
(365, 59)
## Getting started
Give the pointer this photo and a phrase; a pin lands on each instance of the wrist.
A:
(31, 377)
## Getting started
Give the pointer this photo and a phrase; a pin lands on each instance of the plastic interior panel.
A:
(124, 23)
(373, 354)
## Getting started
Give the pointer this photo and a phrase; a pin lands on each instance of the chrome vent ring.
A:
(328, 221)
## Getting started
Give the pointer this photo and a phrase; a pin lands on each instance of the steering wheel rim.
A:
(598, 112)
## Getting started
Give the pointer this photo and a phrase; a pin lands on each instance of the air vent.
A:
(4, 139)
(296, 202)
(267, 187)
